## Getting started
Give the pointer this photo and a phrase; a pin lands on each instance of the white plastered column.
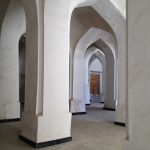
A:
(13, 27)
(55, 121)
(100, 55)
(138, 75)
(33, 89)
(46, 116)
(91, 36)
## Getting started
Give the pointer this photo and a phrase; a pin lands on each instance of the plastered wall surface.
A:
(138, 75)
(3, 8)
(120, 5)
(13, 27)
(96, 66)
(56, 57)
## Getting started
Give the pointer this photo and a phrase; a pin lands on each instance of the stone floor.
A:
(93, 131)
(95, 98)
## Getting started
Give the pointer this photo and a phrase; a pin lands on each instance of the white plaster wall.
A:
(12, 28)
(50, 87)
(138, 75)
(55, 122)
(82, 20)
(3, 8)
(120, 5)
(96, 65)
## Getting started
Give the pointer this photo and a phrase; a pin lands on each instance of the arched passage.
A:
(91, 36)
(111, 76)
(44, 23)
(95, 79)
(90, 55)
(119, 29)
(57, 22)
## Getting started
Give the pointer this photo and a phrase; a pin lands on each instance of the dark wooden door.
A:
(95, 83)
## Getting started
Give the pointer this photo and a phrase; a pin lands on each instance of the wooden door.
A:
(95, 83)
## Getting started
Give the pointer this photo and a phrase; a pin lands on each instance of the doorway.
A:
(94, 83)
(95, 86)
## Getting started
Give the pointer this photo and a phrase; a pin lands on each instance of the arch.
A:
(91, 54)
(91, 36)
(92, 70)
(119, 29)
(101, 7)
(111, 76)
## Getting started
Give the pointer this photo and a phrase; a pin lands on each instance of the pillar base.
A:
(120, 124)
(110, 109)
(88, 104)
(45, 144)
(9, 120)
(79, 113)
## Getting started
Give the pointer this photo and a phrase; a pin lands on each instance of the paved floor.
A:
(94, 131)
(95, 98)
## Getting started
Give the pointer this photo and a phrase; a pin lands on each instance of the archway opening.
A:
(95, 80)
(96, 85)
(94, 54)
(84, 35)
(97, 70)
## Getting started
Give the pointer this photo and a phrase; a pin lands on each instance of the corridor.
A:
(93, 131)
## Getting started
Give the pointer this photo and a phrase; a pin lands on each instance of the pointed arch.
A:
(90, 55)
(89, 38)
